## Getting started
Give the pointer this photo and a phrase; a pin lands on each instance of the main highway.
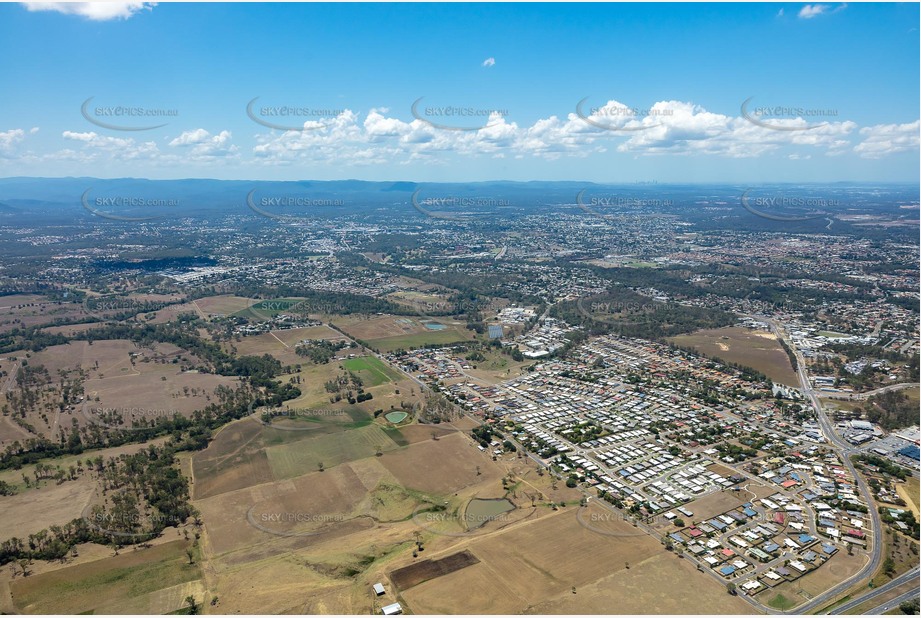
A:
(906, 577)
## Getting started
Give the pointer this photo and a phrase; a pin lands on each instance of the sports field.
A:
(371, 370)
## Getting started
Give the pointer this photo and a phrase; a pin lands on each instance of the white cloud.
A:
(96, 11)
(886, 139)
(204, 146)
(668, 127)
(379, 137)
(9, 140)
(814, 10)
(489, 62)
(97, 147)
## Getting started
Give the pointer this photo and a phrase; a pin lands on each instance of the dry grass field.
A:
(753, 348)
(149, 581)
(123, 384)
(721, 501)
(390, 332)
(533, 567)
(222, 305)
(37, 509)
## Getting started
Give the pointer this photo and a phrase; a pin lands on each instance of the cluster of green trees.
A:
(635, 315)
(485, 434)
(145, 493)
(258, 373)
(320, 351)
(885, 466)
(892, 410)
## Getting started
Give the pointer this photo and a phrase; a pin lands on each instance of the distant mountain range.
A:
(56, 198)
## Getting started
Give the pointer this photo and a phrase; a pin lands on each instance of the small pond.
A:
(480, 511)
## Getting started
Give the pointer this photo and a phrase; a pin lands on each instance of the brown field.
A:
(909, 492)
(317, 502)
(36, 509)
(233, 460)
(419, 572)
(70, 330)
(281, 343)
(496, 368)
(9, 430)
(422, 433)
(135, 384)
(292, 336)
(752, 348)
(350, 512)
(222, 305)
(721, 501)
(389, 332)
(663, 584)
(450, 464)
(532, 568)
(374, 327)
(24, 310)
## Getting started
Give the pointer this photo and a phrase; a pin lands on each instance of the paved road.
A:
(908, 576)
(888, 605)
(845, 450)
(882, 389)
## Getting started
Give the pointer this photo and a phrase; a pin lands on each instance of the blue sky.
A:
(661, 85)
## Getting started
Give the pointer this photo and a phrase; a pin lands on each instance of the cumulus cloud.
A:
(9, 140)
(97, 147)
(351, 139)
(886, 139)
(203, 145)
(96, 11)
(667, 127)
(489, 62)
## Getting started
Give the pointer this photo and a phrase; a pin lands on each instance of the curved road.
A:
(883, 389)
(845, 451)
